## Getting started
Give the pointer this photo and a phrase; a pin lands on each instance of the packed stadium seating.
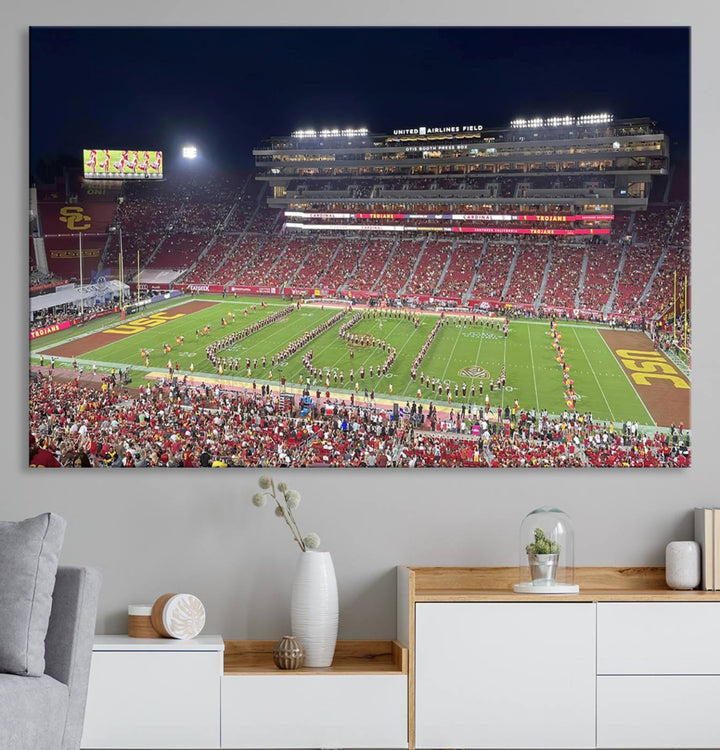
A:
(264, 220)
(258, 268)
(140, 240)
(179, 250)
(564, 276)
(430, 267)
(284, 270)
(400, 267)
(372, 264)
(494, 270)
(465, 261)
(640, 263)
(224, 219)
(319, 253)
(345, 264)
(681, 235)
(654, 225)
(209, 267)
(247, 202)
(245, 249)
(526, 280)
(670, 277)
(603, 261)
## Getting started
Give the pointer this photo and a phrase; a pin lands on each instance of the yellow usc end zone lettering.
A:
(142, 324)
(646, 365)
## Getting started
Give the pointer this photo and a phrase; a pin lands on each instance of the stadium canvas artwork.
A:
(499, 281)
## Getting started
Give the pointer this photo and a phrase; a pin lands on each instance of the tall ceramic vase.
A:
(314, 607)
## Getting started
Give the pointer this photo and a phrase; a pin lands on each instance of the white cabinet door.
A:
(658, 711)
(153, 699)
(311, 711)
(500, 675)
(658, 638)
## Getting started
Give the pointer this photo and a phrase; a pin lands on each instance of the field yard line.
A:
(477, 355)
(532, 367)
(632, 385)
(450, 358)
(502, 392)
(592, 369)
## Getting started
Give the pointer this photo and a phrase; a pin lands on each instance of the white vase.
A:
(682, 565)
(314, 607)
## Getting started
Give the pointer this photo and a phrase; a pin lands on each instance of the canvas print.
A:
(360, 247)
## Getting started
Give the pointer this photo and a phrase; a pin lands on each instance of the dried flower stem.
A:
(286, 500)
(288, 517)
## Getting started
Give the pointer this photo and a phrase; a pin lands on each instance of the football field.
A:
(616, 375)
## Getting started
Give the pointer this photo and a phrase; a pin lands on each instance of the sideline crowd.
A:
(172, 424)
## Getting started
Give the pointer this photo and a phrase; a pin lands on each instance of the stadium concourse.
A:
(181, 423)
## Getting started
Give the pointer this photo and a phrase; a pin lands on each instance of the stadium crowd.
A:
(46, 318)
(171, 423)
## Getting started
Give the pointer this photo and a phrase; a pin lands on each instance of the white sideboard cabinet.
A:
(625, 663)
(154, 693)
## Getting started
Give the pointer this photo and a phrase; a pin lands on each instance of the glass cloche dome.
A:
(546, 553)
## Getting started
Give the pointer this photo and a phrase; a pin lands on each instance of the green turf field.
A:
(534, 378)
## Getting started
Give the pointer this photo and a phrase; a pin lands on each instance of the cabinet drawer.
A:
(157, 699)
(309, 711)
(658, 638)
(658, 711)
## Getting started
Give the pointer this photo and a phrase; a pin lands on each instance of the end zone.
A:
(663, 389)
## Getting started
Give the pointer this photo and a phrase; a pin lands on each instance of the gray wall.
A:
(157, 531)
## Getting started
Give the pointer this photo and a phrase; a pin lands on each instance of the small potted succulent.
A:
(543, 555)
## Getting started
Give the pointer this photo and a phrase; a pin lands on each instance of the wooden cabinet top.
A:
(597, 584)
(351, 657)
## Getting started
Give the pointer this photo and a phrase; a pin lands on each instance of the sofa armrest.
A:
(69, 641)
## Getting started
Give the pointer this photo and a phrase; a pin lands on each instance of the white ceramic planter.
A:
(314, 607)
(682, 565)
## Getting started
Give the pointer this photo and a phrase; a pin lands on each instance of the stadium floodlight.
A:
(329, 133)
(189, 152)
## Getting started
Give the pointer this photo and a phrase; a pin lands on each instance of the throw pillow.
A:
(29, 553)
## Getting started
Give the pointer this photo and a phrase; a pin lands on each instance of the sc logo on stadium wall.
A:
(74, 217)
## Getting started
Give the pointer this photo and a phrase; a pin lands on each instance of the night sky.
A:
(226, 89)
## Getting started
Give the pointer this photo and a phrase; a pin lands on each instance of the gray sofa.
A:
(47, 712)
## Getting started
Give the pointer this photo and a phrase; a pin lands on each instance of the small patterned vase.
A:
(288, 653)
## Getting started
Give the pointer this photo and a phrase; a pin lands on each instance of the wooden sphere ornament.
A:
(179, 616)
